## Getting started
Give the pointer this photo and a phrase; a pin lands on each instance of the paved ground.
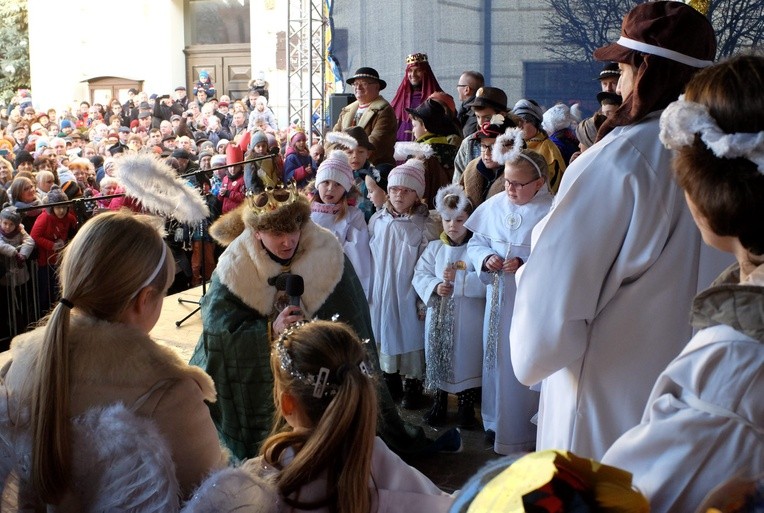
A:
(451, 470)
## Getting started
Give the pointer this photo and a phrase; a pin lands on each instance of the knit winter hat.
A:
(558, 118)
(71, 189)
(23, 156)
(217, 160)
(257, 138)
(410, 174)
(337, 168)
(11, 214)
(528, 108)
(56, 195)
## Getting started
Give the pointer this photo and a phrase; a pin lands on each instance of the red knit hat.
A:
(233, 154)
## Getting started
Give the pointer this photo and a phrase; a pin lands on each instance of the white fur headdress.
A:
(342, 139)
(682, 120)
(159, 190)
(405, 150)
(507, 146)
(444, 210)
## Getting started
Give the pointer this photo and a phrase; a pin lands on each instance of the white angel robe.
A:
(466, 358)
(602, 306)
(503, 228)
(353, 234)
(396, 243)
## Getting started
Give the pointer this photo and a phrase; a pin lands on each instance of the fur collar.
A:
(245, 267)
(111, 353)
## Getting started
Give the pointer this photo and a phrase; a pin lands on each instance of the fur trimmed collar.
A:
(245, 267)
(103, 352)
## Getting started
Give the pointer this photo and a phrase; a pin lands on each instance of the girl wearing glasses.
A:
(502, 228)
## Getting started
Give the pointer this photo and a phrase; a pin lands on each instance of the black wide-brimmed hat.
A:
(434, 117)
(367, 73)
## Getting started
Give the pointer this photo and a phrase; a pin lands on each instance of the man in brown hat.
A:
(372, 113)
(597, 322)
(488, 102)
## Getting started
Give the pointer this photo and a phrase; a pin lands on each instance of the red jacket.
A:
(46, 231)
(232, 192)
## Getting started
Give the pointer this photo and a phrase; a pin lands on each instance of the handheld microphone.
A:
(295, 286)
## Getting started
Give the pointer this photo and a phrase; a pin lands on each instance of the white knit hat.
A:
(337, 168)
(409, 174)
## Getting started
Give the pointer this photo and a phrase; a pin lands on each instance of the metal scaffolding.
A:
(306, 35)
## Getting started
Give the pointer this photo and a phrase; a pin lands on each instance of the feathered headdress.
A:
(159, 190)
(406, 150)
(443, 209)
(342, 139)
(507, 146)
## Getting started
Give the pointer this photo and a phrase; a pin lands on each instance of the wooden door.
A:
(229, 67)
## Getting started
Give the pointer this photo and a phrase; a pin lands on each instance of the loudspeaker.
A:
(337, 102)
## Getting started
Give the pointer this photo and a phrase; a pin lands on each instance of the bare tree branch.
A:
(575, 28)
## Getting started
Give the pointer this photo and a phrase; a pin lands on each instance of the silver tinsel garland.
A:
(440, 336)
(497, 293)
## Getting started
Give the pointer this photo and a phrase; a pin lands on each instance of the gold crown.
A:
(416, 57)
(272, 198)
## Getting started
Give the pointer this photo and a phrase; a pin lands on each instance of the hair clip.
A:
(321, 380)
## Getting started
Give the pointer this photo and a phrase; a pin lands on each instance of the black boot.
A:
(436, 416)
(394, 385)
(465, 416)
(413, 398)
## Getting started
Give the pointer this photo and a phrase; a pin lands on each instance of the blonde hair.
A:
(82, 164)
(341, 438)
(102, 270)
(528, 158)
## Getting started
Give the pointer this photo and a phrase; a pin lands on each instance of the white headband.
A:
(536, 166)
(662, 52)
(154, 273)
(682, 119)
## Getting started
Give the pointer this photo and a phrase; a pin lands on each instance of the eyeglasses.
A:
(488, 148)
(517, 185)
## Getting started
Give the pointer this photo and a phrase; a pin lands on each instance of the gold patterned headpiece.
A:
(272, 198)
(415, 58)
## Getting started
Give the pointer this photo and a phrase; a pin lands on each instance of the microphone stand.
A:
(204, 234)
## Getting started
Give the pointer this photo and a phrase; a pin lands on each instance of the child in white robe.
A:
(329, 208)
(447, 282)
(399, 233)
(502, 228)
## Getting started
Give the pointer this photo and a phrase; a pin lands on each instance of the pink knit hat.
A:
(410, 174)
(337, 168)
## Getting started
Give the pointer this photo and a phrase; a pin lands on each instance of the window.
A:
(217, 22)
